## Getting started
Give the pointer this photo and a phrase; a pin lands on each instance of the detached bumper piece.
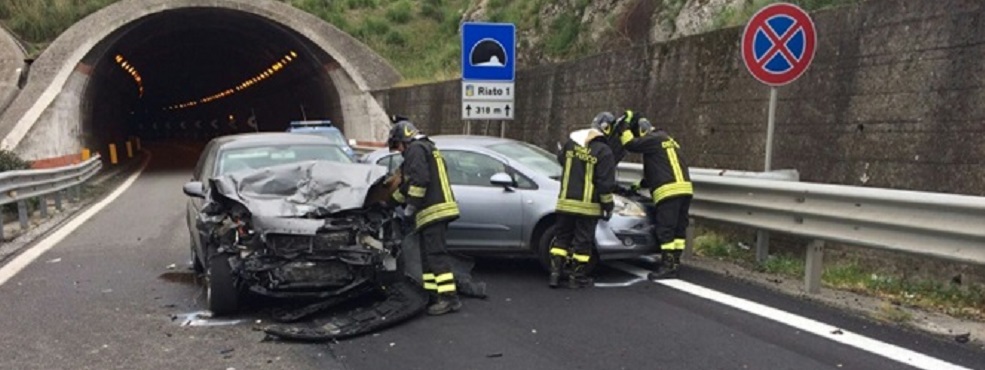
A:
(404, 300)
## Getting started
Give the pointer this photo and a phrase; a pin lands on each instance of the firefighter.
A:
(586, 196)
(428, 199)
(665, 176)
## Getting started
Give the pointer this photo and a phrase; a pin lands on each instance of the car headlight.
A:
(627, 207)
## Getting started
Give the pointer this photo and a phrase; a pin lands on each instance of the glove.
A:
(409, 211)
(635, 187)
(606, 215)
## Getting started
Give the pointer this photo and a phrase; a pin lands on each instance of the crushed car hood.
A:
(300, 189)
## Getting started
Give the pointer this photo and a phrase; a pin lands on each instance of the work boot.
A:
(557, 270)
(578, 277)
(669, 267)
(447, 303)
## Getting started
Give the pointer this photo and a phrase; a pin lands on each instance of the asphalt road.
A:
(106, 298)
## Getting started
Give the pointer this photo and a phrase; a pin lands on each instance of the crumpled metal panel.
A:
(300, 189)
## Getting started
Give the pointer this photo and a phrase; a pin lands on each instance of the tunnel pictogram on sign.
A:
(778, 44)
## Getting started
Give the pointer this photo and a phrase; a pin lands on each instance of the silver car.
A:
(507, 191)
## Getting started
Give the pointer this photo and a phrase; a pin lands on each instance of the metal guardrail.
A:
(21, 185)
(945, 226)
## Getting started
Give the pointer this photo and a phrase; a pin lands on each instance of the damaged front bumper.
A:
(314, 258)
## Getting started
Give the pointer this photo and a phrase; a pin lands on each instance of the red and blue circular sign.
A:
(778, 44)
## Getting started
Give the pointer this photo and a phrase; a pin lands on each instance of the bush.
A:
(563, 34)
(9, 161)
(432, 12)
(358, 4)
(373, 27)
(395, 38)
(400, 12)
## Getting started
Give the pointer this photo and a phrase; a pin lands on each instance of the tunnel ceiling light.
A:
(263, 75)
(129, 68)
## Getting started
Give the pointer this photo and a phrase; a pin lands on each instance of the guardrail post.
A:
(129, 149)
(112, 153)
(22, 214)
(814, 268)
(1, 227)
(43, 206)
(76, 193)
(688, 241)
(137, 139)
(58, 200)
(762, 245)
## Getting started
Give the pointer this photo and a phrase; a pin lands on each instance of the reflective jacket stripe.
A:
(416, 191)
(435, 212)
(589, 191)
(564, 180)
(675, 164)
(398, 197)
(443, 175)
(579, 207)
(673, 189)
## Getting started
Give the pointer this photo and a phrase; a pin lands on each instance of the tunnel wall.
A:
(361, 71)
(12, 57)
(893, 99)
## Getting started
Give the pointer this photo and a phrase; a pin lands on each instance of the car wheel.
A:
(544, 251)
(196, 262)
(221, 294)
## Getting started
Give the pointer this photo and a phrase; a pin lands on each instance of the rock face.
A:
(604, 24)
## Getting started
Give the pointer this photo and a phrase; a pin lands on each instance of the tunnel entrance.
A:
(198, 73)
(193, 70)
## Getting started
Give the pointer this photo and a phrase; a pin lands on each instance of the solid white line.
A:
(17, 264)
(887, 350)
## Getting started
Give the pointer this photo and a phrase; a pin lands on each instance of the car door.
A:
(203, 171)
(491, 215)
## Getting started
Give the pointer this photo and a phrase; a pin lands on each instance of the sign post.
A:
(778, 45)
(488, 71)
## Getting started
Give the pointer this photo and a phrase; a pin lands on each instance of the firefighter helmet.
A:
(641, 127)
(402, 131)
(604, 122)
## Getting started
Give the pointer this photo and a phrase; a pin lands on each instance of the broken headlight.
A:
(627, 207)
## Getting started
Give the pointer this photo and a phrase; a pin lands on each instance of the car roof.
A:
(314, 128)
(268, 138)
(468, 140)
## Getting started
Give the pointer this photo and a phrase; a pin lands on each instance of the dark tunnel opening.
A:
(197, 73)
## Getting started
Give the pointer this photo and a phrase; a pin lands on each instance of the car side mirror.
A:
(194, 189)
(502, 179)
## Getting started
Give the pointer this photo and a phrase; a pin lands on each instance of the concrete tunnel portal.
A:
(195, 71)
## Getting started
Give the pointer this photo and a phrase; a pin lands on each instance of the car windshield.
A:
(231, 160)
(531, 156)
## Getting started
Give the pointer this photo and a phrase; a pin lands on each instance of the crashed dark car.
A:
(310, 230)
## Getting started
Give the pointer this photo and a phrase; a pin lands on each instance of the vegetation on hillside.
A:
(420, 37)
(38, 22)
(731, 17)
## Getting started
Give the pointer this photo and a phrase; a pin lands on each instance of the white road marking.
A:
(17, 264)
(887, 350)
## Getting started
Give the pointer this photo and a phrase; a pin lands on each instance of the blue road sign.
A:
(488, 51)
